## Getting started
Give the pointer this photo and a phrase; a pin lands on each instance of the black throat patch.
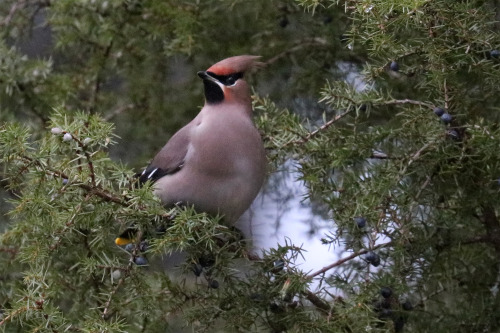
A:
(213, 93)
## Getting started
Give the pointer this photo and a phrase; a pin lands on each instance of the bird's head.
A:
(224, 80)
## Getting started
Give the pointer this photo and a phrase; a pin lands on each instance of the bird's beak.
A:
(205, 76)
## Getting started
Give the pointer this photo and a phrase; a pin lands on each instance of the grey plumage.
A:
(216, 162)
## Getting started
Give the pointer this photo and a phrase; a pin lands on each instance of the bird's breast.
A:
(225, 145)
(223, 169)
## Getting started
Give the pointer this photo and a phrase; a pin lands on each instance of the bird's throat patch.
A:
(213, 93)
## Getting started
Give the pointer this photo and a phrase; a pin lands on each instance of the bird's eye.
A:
(231, 80)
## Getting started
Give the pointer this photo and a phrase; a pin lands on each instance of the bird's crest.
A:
(237, 64)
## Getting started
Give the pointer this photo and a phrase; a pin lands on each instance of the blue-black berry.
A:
(207, 261)
(407, 305)
(372, 258)
(214, 284)
(143, 246)
(438, 111)
(140, 261)
(386, 292)
(394, 66)
(129, 247)
(453, 134)
(283, 22)
(360, 221)
(446, 118)
(495, 53)
(275, 308)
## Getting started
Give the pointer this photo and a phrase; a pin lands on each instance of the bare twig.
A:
(407, 101)
(329, 123)
(15, 7)
(343, 260)
(10, 250)
(424, 185)
(416, 156)
(105, 312)
(317, 302)
(15, 313)
(379, 155)
(103, 194)
(446, 98)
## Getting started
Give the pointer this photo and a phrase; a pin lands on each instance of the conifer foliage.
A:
(404, 159)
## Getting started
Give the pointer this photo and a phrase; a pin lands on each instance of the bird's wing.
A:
(170, 159)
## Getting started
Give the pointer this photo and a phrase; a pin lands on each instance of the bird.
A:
(217, 162)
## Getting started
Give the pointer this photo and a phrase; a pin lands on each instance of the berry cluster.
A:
(204, 265)
(389, 308)
(142, 247)
(445, 117)
(370, 257)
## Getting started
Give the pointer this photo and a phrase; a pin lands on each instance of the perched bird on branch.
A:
(217, 162)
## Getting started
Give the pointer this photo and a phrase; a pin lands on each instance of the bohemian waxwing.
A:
(216, 162)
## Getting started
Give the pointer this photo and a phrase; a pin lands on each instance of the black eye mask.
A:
(227, 80)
